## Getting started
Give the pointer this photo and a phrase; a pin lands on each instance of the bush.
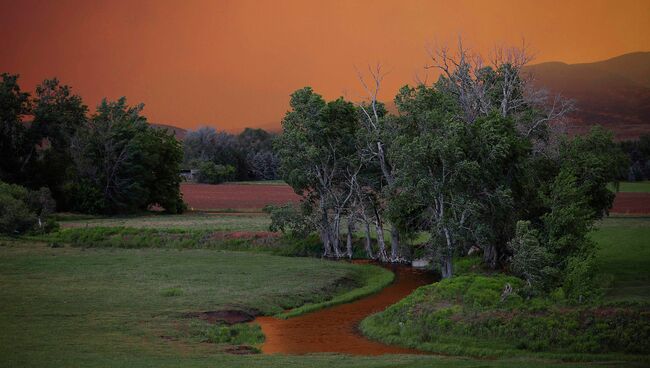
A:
(289, 219)
(22, 210)
(530, 260)
(580, 282)
(211, 173)
(238, 334)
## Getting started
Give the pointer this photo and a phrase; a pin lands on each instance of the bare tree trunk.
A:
(335, 236)
(490, 255)
(381, 243)
(394, 244)
(349, 238)
(368, 241)
(447, 267)
(324, 237)
(325, 231)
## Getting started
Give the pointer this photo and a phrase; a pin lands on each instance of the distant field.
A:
(241, 197)
(207, 221)
(624, 257)
(633, 187)
(631, 203)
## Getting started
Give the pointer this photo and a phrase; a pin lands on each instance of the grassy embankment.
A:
(467, 316)
(88, 301)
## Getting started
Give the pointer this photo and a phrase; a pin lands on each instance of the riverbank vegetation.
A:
(487, 314)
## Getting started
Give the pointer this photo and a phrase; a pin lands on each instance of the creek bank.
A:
(335, 329)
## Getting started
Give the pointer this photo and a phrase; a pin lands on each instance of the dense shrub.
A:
(530, 260)
(22, 210)
(289, 218)
(211, 173)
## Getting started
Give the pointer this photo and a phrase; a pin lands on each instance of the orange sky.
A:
(232, 64)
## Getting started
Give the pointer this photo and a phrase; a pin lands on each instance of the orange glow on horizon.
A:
(232, 64)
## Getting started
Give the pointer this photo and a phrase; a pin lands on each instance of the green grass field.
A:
(111, 306)
(633, 187)
(624, 257)
(72, 303)
(206, 221)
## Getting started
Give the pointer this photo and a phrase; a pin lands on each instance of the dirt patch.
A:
(241, 350)
(229, 317)
(234, 196)
(631, 203)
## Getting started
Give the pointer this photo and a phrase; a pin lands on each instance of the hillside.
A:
(614, 93)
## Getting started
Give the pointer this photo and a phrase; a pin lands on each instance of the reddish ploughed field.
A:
(236, 196)
(255, 197)
(632, 203)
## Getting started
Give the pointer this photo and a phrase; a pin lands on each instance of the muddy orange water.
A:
(335, 329)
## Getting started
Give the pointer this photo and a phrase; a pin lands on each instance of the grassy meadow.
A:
(124, 292)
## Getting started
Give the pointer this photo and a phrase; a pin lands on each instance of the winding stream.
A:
(334, 329)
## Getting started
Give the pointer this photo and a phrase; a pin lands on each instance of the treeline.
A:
(221, 156)
(476, 160)
(638, 153)
(111, 161)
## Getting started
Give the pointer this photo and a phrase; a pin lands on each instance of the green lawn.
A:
(624, 257)
(79, 303)
(634, 186)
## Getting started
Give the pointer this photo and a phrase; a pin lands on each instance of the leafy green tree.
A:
(15, 143)
(22, 210)
(211, 173)
(58, 114)
(15, 216)
(436, 170)
(162, 157)
(317, 151)
(596, 161)
(530, 260)
(638, 153)
(124, 165)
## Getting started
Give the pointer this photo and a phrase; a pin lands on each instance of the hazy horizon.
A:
(233, 64)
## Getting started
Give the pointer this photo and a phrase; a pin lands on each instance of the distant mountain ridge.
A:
(614, 93)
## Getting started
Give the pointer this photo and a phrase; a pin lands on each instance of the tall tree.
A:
(58, 114)
(123, 164)
(377, 137)
(317, 151)
(15, 144)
